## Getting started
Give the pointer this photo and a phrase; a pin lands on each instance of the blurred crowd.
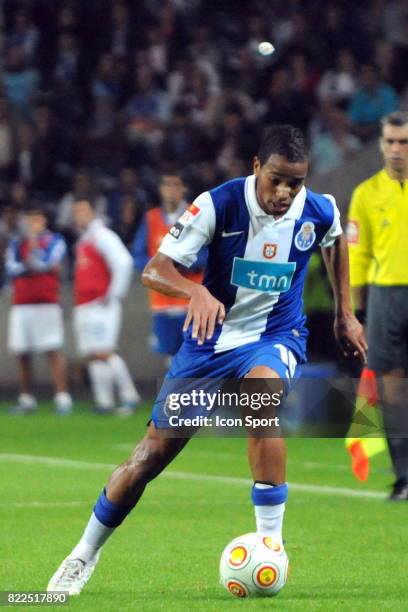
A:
(95, 97)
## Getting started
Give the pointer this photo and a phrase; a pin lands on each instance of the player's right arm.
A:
(360, 248)
(193, 230)
(204, 310)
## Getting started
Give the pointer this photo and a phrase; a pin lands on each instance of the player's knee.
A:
(262, 380)
(262, 372)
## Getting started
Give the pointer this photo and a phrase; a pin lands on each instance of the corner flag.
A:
(364, 438)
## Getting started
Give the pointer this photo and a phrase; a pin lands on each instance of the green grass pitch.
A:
(347, 551)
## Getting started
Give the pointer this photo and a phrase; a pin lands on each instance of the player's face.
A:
(35, 223)
(83, 214)
(394, 146)
(278, 182)
(172, 190)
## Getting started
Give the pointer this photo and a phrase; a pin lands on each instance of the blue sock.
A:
(109, 513)
(268, 494)
(269, 505)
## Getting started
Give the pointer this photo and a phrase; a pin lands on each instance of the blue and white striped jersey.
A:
(256, 264)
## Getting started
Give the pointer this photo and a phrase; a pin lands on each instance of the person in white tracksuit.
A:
(103, 270)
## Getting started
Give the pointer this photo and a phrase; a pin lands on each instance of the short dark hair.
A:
(36, 207)
(285, 140)
(397, 118)
(170, 169)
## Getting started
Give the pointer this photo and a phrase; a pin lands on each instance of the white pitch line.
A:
(310, 465)
(232, 480)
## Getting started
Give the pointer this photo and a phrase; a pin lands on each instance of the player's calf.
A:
(149, 458)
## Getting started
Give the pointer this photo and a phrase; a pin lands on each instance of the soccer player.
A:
(168, 312)
(377, 237)
(103, 270)
(245, 322)
(33, 264)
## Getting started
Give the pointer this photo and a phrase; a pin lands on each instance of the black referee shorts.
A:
(387, 328)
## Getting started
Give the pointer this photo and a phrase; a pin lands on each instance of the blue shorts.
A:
(167, 332)
(198, 366)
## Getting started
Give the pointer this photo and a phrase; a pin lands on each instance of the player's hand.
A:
(204, 311)
(34, 264)
(350, 335)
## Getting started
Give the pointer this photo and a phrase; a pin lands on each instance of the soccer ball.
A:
(254, 565)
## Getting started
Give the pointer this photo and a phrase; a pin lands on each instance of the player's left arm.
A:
(348, 331)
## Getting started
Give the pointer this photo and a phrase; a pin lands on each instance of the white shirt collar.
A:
(295, 209)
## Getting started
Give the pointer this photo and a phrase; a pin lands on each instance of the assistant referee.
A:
(378, 245)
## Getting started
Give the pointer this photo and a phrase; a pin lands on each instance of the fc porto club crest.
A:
(305, 236)
(269, 250)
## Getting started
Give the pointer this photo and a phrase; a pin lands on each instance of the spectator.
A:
(372, 101)
(120, 42)
(200, 97)
(129, 217)
(180, 137)
(67, 19)
(144, 114)
(6, 139)
(20, 82)
(103, 142)
(83, 188)
(67, 59)
(106, 83)
(246, 74)
(342, 28)
(18, 197)
(283, 104)
(205, 55)
(331, 142)
(338, 84)
(24, 34)
(232, 140)
(229, 96)
(304, 74)
(157, 50)
(401, 62)
(127, 191)
(26, 161)
(103, 122)
(387, 61)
